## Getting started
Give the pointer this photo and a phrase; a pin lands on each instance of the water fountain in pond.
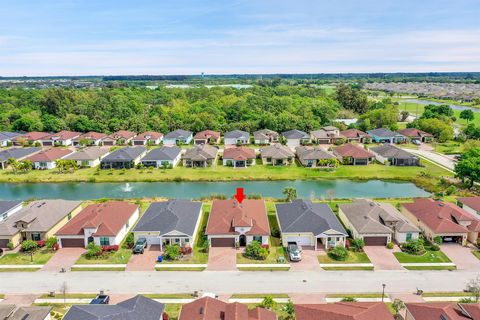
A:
(127, 187)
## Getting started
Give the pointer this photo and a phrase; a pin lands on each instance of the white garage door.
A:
(153, 240)
(301, 241)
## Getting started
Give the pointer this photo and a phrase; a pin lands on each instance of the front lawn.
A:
(115, 257)
(39, 257)
(476, 253)
(276, 251)
(353, 257)
(427, 257)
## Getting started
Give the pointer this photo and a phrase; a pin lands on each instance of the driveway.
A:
(222, 259)
(461, 256)
(383, 258)
(145, 261)
(443, 160)
(309, 261)
(63, 258)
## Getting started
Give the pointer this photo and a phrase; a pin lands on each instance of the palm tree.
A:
(14, 164)
(290, 193)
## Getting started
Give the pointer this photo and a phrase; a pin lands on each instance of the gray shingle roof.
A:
(17, 153)
(366, 217)
(305, 216)
(90, 153)
(125, 154)
(163, 153)
(237, 134)
(42, 216)
(178, 134)
(295, 134)
(382, 132)
(390, 151)
(8, 205)
(179, 215)
(136, 308)
(277, 151)
(265, 134)
(9, 135)
(30, 313)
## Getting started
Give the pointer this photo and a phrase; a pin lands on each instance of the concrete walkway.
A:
(145, 261)
(63, 258)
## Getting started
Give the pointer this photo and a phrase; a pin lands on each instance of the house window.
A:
(409, 236)
(36, 236)
(187, 240)
(85, 163)
(257, 238)
(269, 159)
(104, 241)
(43, 164)
(177, 240)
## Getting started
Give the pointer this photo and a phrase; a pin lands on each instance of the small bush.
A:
(357, 244)
(275, 232)
(390, 245)
(29, 245)
(255, 251)
(110, 248)
(171, 252)
(466, 300)
(51, 242)
(186, 250)
(438, 240)
(415, 247)
(338, 253)
(93, 250)
(450, 190)
(349, 299)
(268, 303)
(434, 247)
(41, 243)
(129, 241)
(10, 245)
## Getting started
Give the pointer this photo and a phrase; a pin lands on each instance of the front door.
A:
(242, 240)
(90, 239)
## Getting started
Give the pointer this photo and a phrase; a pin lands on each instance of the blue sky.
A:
(87, 37)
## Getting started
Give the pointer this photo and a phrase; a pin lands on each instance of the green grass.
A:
(115, 257)
(98, 269)
(353, 257)
(476, 253)
(419, 268)
(19, 270)
(263, 269)
(259, 295)
(346, 268)
(446, 294)
(278, 309)
(428, 257)
(2, 296)
(39, 257)
(355, 295)
(276, 251)
(181, 269)
(173, 310)
(168, 295)
(449, 147)
(69, 296)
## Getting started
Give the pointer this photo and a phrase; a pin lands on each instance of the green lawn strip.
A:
(353, 257)
(115, 257)
(346, 268)
(427, 257)
(476, 253)
(58, 308)
(173, 310)
(39, 257)
(168, 295)
(180, 269)
(413, 268)
(69, 296)
(263, 269)
(98, 269)
(446, 294)
(355, 295)
(2, 296)
(20, 270)
(259, 295)
(278, 309)
(276, 251)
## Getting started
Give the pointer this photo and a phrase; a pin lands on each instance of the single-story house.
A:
(376, 223)
(62, 138)
(148, 138)
(30, 138)
(236, 137)
(266, 136)
(326, 135)
(231, 222)
(17, 154)
(164, 155)
(136, 308)
(296, 138)
(416, 134)
(39, 220)
(442, 311)
(208, 308)
(7, 208)
(343, 311)
(207, 137)
(390, 154)
(91, 138)
(382, 135)
(178, 137)
(89, 157)
(470, 204)
(46, 159)
(6, 138)
(353, 154)
(355, 135)
(121, 137)
(200, 156)
(105, 224)
(123, 158)
(310, 224)
(13, 312)
(436, 218)
(238, 157)
(277, 155)
(312, 157)
(170, 222)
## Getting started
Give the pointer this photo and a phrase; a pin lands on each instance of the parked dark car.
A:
(101, 299)
(294, 253)
(140, 246)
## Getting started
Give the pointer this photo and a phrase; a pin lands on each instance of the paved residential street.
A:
(445, 161)
(236, 282)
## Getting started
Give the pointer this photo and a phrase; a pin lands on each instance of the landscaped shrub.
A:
(438, 240)
(268, 303)
(390, 245)
(186, 250)
(29, 245)
(93, 250)
(110, 248)
(415, 247)
(41, 243)
(338, 253)
(255, 251)
(129, 241)
(10, 245)
(51, 242)
(349, 299)
(434, 247)
(275, 232)
(357, 244)
(171, 252)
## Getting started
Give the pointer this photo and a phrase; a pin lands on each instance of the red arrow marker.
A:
(239, 195)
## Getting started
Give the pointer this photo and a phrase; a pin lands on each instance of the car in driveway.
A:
(101, 299)
(294, 252)
(140, 246)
